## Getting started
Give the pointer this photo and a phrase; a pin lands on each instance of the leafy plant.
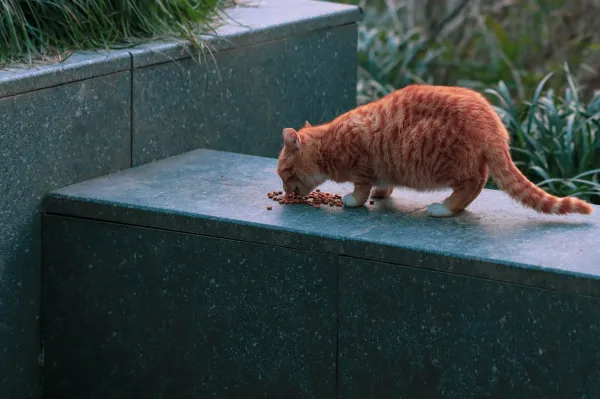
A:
(555, 139)
(46, 29)
(391, 59)
(476, 43)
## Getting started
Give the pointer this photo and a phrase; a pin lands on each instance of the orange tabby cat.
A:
(423, 137)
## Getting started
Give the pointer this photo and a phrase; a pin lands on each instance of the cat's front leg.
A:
(359, 196)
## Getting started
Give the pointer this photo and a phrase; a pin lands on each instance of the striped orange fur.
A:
(422, 137)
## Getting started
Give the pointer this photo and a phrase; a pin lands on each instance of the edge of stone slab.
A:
(79, 66)
(95, 199)
(255, 22)
(568, 282)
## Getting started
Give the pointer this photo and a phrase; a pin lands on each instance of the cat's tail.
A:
(509, 179)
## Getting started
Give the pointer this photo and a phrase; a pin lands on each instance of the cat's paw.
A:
(439, 211)
(351, 201)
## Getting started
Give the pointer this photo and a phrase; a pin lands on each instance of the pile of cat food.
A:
(316, 199)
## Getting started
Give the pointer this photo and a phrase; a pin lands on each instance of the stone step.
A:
(174, 279)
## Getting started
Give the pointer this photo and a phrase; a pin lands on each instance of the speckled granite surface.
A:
(144, 313)
(45, 143)
(242, 99)
(414, 333)
(254, 22)
(223, 194)
(486, 304)
(79, 66)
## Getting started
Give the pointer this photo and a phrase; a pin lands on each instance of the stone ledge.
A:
(80, 66)
(258, 22)
(223, 195)
(254, 23)
(280, 302)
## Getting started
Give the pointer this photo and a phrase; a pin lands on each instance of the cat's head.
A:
(296, 165)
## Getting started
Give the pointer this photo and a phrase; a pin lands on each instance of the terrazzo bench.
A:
(173, 280)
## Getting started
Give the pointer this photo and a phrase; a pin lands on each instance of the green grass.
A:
(48, 29)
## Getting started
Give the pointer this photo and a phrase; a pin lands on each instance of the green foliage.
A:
(43, 29)
(476, 44)
(389, 60)
(555, 139)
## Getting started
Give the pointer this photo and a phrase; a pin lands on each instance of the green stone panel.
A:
(411, 333)
(241, 99)
(49, 138)
(143, 313)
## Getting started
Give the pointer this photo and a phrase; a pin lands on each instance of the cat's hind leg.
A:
(464, 193)
(358, 197)
(483, 179)
(381, 192)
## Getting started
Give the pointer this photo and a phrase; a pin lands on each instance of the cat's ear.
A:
(306, 124)
(291, 139)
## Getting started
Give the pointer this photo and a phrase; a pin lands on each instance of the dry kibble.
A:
(315, 199)
(269, 208)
